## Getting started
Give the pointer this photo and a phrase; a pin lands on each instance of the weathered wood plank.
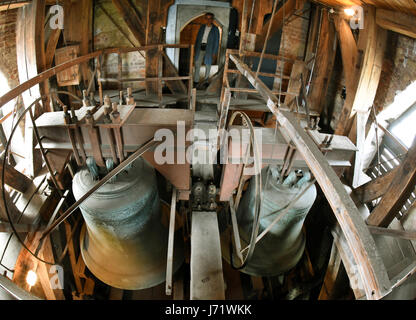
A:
(324, 62)
(402, 185)
(403, 234)
(375, 188)
(15, 179)
(51, 47)
(399, 22)
(374, 44)
(27, 68)
(207, 282)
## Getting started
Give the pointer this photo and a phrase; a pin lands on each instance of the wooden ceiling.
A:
(407, 6)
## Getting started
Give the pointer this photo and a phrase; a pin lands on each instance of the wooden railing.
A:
(15, 92)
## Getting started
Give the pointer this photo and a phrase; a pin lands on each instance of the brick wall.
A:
(295, 35)
(8, 61)
(399, 68)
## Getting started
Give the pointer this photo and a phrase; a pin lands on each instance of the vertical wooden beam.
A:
(243, 27)
(157, 19)
(349, 52)
(295, 83)
(375, 39)
(160, 74)
(72, 257)
(323, 65)
(78, 28)
(27, 68)
(331, 280)
(51, 47)
(120, 71)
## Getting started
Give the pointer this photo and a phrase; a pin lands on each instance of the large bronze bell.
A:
(123, 241)
(282, 247)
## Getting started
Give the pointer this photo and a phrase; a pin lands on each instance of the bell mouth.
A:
(122, 279)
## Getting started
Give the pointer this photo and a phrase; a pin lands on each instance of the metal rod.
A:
(169, 265)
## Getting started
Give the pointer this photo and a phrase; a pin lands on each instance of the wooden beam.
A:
(28, 68)
(157, 16)
(132, 19)
(324, 62)
(45, 275)
(12, 6)
(375, 188)
(333, 276)
(349, 53)
(373, 44)
(51, 47)
(72, 257)
(295, 83)
(78, 29)
(403, 234)
(372, 270)
(277, 22)
(15, 179)
(169, 70)
(351, 266)
(399, 22)
(401, 187)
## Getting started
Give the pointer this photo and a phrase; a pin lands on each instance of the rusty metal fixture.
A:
(282, 247)
(123, 241)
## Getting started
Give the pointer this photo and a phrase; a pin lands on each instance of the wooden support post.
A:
(78, 26)
(27, 67)
(243, 27)
(160, 74)
(72, 256)
(373, 42)
(191, 73)
(323, 65)
(295, 83)
(120, 71)
(331, 283)
(100, 85)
